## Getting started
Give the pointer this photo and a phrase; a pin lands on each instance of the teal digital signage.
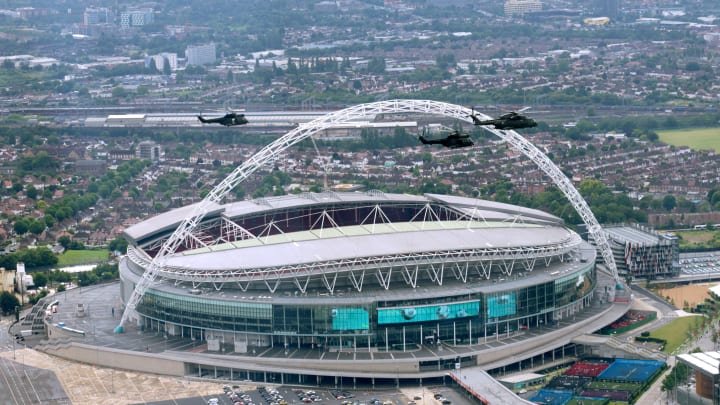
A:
(428, 313)
(501, 305)
(350, 319)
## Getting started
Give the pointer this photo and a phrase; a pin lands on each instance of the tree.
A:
(152, 66)
(118, 244)
(669, 202)
(31, 191)
(20, 227)
(166, 67)
(37, 227)
(40, 279)
(444, 61)
(86, 278)
(376, 65)
(8, 302)
(119, 92)
(64, 241)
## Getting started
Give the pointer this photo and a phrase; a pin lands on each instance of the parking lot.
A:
(288, 395)
(698, 263)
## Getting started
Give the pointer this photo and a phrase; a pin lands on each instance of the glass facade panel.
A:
(395, 323)
(204, 313)
(573, 287)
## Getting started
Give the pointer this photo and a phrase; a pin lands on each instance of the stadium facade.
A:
(361, 273)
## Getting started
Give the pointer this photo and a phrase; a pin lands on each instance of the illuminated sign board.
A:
(501, 305)
(428, 313)
(350, 319)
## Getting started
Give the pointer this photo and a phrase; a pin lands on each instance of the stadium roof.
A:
(166, 222)
(396, 239)
(479, 209)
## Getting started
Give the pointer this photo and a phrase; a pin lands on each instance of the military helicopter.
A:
(228, 119)
(453, 141)
(511, 120)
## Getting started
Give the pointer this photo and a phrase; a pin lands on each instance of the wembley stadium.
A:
(368, 288)
(388, 278)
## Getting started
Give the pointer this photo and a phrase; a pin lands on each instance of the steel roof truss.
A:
(321, 222)
(410, 274)
(506, 267)
(190, 238)
(302, 286)
(329, 282)
(529, 264)
(483, 269)
(428, 215)
(156, 244)
(436, 275)
(476, 214)
(461, 271)
(384, 279)
(267, 231)
(377, 214)
(357, 282)
(243, 286)
(232, 231)
(272, 286)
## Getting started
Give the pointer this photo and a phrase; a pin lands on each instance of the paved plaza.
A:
(28, 376)
(51, 380)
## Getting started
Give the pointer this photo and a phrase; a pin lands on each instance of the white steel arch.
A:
(362, 111)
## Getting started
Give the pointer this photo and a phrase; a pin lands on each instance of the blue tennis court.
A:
(552, 397)
(631, 370)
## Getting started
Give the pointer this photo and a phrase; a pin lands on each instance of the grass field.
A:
(677, 331)
(695, 236)
(76, 257)
(699, 138)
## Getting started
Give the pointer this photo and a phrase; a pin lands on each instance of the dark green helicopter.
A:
(511, 120)
(452, 141)
(228, 119)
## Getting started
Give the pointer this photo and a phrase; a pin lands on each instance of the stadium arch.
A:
(184, 231)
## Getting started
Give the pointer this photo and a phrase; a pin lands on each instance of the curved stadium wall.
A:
(373, 271)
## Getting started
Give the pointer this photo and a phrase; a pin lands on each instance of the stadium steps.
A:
(635, 350)
(47, 345)
(35, 319)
